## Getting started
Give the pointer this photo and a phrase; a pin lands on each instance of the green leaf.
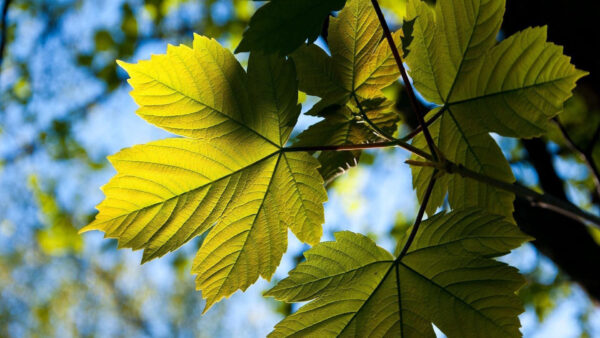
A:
(361, 62)
(343, 126)
(524, 78)
(447, 278)
(230, 177)
(281, 26)
(475, 149)
(512, 88)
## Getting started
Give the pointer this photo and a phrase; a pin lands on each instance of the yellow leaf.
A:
(230, 177)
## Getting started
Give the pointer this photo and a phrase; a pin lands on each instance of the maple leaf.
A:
(360, 66)
(229, 176)
(447, 278)
(281, 26)
(512, 88)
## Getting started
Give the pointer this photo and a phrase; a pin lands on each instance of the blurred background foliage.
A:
(64, 107)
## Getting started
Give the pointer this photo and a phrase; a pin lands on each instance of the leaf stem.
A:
(419, 219)
(545, 201)
(374, 126)
(586, 156)
(408, 87)
(351, 147)
(418, 129)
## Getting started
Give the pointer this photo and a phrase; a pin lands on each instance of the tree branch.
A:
(574, 250)
(545, 201)
(3, 26)
(408, 87)
(586, 156)
(418, 129)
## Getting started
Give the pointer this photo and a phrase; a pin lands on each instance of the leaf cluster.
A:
(232, 177)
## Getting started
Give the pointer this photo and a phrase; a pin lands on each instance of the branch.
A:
(586, 156)
(409, 89)
(545, 201)
(418, 130)
(372, 124)
(575, 250)
(352, 147)
(3, 25)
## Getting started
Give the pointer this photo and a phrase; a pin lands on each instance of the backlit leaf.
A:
(229, 176)
(343, 126)
(447, 278)
(512, 88)
(361, 65)
(281, 26)
(361, 62)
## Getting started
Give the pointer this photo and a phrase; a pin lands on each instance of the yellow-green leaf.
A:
(518, 86)
(231, 177)
(447, 278)
(512, 88)
(473, 147)
(342, 126)
(361, 62)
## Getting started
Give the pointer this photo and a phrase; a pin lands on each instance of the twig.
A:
(372, 124)
(351, 147)
(415, 228)
(408, 87)
(418, 130)
(545, 201)
(3, 25)
(586, 156)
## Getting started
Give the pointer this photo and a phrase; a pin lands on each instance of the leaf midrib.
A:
(450, 294)
(322, 279)
(262, 203)
(231, 118)
(196, 188)
(464, 54)
(508, 91)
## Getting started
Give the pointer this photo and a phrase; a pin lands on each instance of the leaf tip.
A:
(87, 228)
(210, 301)
(242, 47)
(124, 65)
